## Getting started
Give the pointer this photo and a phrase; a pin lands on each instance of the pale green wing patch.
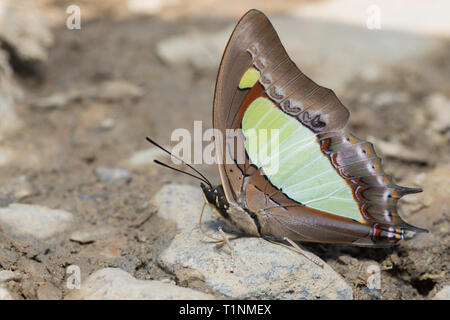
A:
(249, 78)
(303, 172)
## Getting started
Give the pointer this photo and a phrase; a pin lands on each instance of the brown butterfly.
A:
(329, 186)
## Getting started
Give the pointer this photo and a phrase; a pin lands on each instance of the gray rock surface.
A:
(18, 189)
(4, 294)
(113, 176)
(33, 220)
(443, 294)
(25, 29)
(9, 92)
(6, 275)
(116, 284)
(262, 269)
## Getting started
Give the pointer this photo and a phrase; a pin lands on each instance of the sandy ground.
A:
(71, 143)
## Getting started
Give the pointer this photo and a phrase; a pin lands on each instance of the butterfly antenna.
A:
(178, 170)
(203, 178)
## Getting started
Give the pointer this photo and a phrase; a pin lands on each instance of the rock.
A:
(263, 270)
(18, 189)
(33, 220)
(439, 108)
(107, 123)
(149, 7)
(6, 275)
(24, 29)
(48, 291)
(398, 151)
(9, 94)
(145, 157)
(116, 284)
(116, 89)
(4, 294)
(113, 176)
(444, 294)
(56, 101)
(390, 98)
(18, 158)
(108, 90)
(91, 234)
(200, 49)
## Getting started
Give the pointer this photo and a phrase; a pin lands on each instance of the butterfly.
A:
(329, 186)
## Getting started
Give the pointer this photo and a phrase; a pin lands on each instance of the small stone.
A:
(18, 189)
(443, 294)
(390, 98)
(4, 294)
(144, 158)
(439, 108)
(55, 101)
(398, 151)
(117, 89)
(113, 176)
(17, 158)
(6, 275)
(33, 220)
(107, 123)
(91, 234)
(149, 7)
(25, 29)
(9, 94)
(263, 270)
(116, 284)
(201, 49)
(48, 291)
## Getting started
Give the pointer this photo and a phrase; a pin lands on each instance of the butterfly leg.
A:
(227, 241)
(296, 248)
(302, 252)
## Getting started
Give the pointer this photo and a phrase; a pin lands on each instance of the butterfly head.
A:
(215, 196)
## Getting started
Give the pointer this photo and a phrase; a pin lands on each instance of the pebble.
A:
(108, 90)
(9, 92)
(116, 89)
(18, 189)
(398, 151)
(18, 158)
(24, 27)
(116, 284)
(149, 7)
(113, 176)
(443, 294)
(107, 123)
(6, 275)
(4, 294)
(263, 270)
(91, 234)
(145, 157)
(33, 220)
(439, 108)
(48, 291)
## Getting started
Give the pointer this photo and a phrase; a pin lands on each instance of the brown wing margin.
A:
(254, 42)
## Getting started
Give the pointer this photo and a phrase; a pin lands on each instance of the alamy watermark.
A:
(229, 147)
(73, 21)
(373, 21)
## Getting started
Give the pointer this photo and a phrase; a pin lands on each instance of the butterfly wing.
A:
(328, 185)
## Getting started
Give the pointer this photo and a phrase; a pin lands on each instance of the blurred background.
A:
(82, 83)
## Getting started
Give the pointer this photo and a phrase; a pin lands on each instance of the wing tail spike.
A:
(407, 190)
